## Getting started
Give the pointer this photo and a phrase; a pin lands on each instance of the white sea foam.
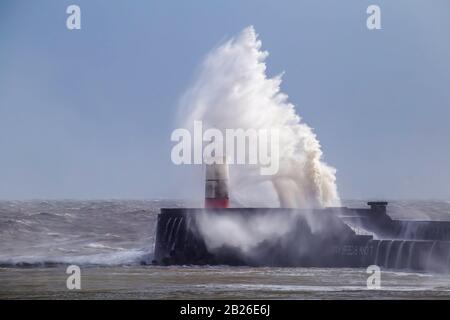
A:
(125, 257)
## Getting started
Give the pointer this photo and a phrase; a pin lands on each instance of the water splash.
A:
(232, 91)
(399, 255)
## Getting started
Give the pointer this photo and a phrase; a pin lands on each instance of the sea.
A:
(112, 241)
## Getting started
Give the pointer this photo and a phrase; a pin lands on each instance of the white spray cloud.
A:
(242, 231)
(232, 90)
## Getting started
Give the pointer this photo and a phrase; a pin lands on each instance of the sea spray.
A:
(232, 90)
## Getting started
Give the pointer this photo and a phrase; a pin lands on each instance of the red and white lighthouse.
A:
(216, 185)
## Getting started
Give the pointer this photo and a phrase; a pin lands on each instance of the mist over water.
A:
(118, 232)
(232, 91)
(118, 235)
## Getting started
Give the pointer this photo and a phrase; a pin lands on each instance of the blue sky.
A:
(88, 113)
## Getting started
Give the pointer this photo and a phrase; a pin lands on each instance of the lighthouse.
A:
(216, 184)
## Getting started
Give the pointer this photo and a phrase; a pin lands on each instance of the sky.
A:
(88, 113)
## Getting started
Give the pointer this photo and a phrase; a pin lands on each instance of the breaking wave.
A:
(126, 257)
(233, 91)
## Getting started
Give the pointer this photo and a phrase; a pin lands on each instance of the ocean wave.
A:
(96, 245)
(128, 257)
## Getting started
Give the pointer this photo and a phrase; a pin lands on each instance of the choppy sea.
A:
(112, 242)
